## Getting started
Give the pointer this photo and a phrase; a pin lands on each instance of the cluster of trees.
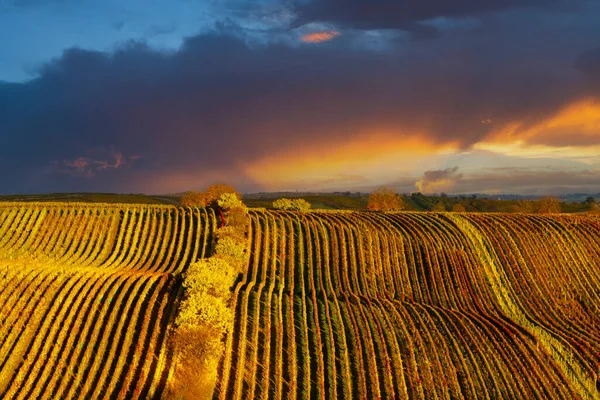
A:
(385, 199)
(547, 205)
(208, 198)
(205, 315)
(592, 204)
(291, 204)
(444, 202)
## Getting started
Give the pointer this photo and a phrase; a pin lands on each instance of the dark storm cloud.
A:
(406, 14)
(589, 63)
(192, 116)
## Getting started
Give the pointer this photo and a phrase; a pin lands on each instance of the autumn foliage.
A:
(208, 198)
(548, 205)
(205, 316)
(343, 305)
(92, 296)
(193, 199)
(115, 301)
(385, 199)
(291, 204)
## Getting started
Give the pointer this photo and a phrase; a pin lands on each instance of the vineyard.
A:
(87, 294)
(417, 305)
(332, 304)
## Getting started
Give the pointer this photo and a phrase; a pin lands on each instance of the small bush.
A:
(236, 214)
(237, 219)
(282, 204)
(291, 204)
(230, 232)
(231, 251)
(300, 205)
(229, 201)
(209, 275)
(195, 365)
(205, 310)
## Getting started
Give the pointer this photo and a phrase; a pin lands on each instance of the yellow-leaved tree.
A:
(210, 197)
(193, 199)
(291, 204)
(548, 205)
(385, 199)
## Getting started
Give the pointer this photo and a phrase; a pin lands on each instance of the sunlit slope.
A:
(549, 271)
(145, 237)
(415, 305)
(333, 304)
(87, 296)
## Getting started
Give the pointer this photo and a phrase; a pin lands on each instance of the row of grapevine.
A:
(333, 304)
(141, 237)
(83, 332)
(88, 294)
(371, 305)
(549, 266)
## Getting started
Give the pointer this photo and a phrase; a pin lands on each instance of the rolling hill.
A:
(332, 304)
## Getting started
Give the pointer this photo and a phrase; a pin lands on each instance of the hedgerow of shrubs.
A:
(205, 316)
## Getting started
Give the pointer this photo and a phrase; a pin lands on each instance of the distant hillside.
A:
(137, 198)
(327, 201)
(417, 202)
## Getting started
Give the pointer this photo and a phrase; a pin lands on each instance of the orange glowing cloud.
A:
(380, 156)
(383, 155)
(577, 124)
(572, 132)
(319, 37)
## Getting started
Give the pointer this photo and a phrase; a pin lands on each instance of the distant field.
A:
(92, 198)
(324, 201)
(333, 304)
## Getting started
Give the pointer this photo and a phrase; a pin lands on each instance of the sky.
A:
(165, 96)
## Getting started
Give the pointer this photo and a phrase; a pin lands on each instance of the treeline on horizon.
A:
(437, 202)
(348, 200)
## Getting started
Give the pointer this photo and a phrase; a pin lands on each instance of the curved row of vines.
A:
(417, 305)
(88, 294)
(332, 304)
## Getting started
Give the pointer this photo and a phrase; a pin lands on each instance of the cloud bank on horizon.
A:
(317, 95)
